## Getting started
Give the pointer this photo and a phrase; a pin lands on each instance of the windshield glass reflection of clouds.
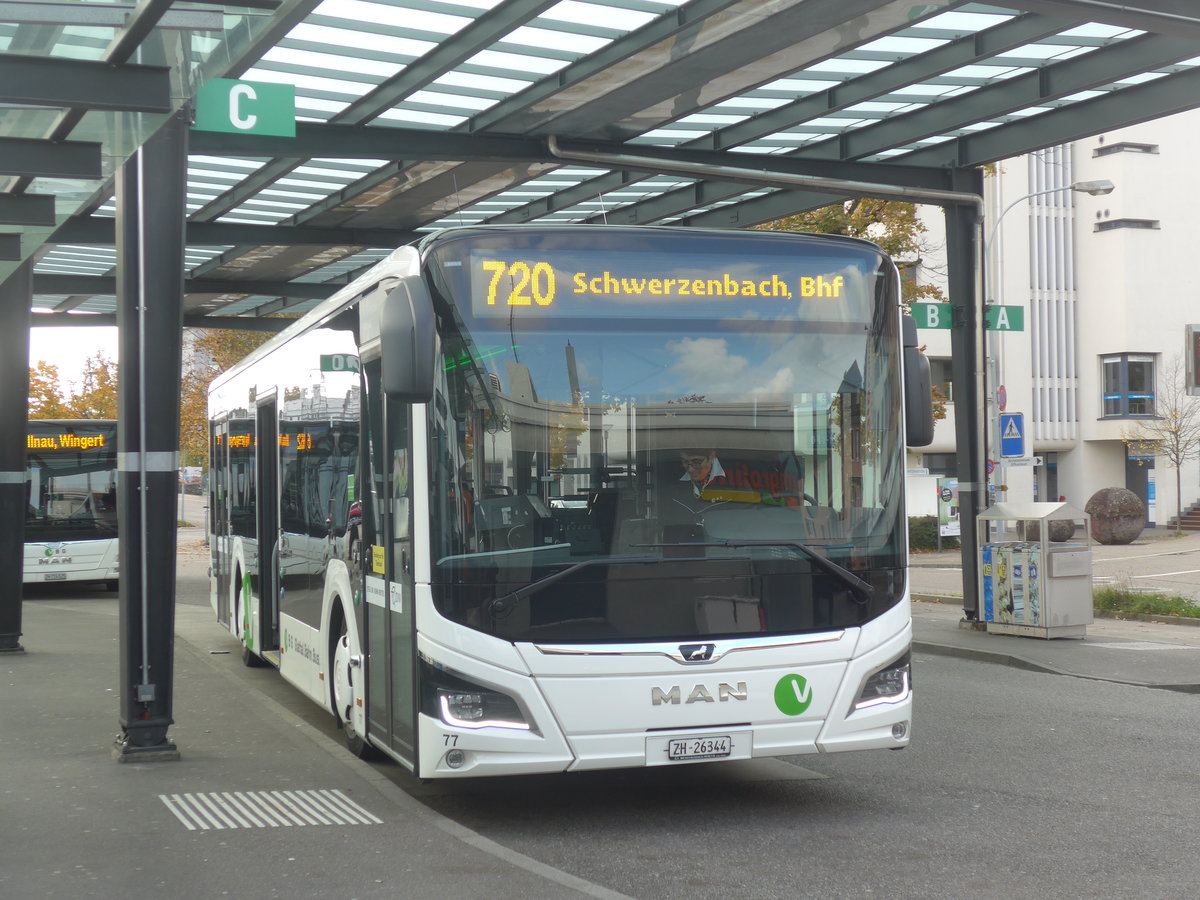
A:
(617, 463)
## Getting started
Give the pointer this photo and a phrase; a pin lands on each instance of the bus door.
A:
(267, 536)
(218, 511)
(390, 616)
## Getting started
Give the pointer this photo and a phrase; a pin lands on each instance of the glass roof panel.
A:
(345, 53)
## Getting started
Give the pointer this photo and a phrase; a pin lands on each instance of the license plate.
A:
(55, 576)
(713, 746)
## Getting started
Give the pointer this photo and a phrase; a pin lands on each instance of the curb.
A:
(1191, 621)
(1017, 662)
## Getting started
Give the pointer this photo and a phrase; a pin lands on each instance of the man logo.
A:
(699, 694)
(697, 652)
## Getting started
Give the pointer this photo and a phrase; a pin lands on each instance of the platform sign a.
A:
(1012, 435)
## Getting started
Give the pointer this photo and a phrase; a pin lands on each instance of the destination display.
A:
(772, 282)
(74, 442)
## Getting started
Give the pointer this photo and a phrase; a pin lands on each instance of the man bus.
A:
(449, 503)
(71, 501)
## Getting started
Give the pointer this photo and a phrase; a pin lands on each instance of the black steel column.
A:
(963, 250)
(16, 296)
(150, 243)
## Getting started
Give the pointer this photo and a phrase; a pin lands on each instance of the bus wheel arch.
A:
(241, 612)
(345, 679)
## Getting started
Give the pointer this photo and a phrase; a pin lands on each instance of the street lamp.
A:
(1094, 188)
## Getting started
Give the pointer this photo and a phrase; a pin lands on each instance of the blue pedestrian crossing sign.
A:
(1012, 435)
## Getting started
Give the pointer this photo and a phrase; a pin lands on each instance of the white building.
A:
(1110, 305)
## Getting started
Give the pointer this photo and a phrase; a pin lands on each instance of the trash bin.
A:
(1030, 585)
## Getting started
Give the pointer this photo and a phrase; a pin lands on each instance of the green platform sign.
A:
(997, 318)
(1005, 318)
(246, 107)
(932, 315)
(339, 362)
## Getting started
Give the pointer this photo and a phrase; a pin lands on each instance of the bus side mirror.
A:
(408, 342)
(918, 388)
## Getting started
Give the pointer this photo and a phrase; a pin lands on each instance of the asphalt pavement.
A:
(261, 803)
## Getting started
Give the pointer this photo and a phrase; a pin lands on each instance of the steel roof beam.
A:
(420, 145)
(236, 323)
(49, 159)
(967, 50)
(757, 210)
(1178, 17)
(1090, 70)
(102, 230)
(659, 43)
(85, 84)
(1086, 72)
(10, 247)
(361, 142)
(107, 284)
(724, 47)
(26, 209)
(449, 54)
(1117, 109)
(444, 57)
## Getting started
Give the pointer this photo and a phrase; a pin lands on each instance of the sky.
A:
(68, 348)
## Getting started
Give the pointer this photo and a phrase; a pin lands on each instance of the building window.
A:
(1128, 385)
(1193, 359)
(1114, 224)
(1125, 147)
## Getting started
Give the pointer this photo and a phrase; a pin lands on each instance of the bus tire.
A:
(250, 659)
(341, 688)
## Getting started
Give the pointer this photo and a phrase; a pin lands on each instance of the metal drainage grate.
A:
(266, 809)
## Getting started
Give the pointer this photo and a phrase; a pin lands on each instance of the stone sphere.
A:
(1061, 530)
(1118, 515)
(1057, 530)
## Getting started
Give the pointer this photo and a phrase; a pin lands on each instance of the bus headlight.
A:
(892, 684)
(480, 709)
(462, 703)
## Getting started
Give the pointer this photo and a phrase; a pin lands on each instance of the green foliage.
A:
(923, 534)
(1124, 601)
(94, 398)
(892, 224)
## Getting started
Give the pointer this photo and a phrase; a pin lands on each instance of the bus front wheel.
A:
(346, 670)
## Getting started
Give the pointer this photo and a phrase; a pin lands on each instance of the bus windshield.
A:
(693, 446)
(71, 481)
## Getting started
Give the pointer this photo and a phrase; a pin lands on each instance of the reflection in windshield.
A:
(71, 495)
(594, 447)
(620, 465)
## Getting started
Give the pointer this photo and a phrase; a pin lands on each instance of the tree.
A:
(1173, 433)
(897, 229)
(893, 225)
(213, 352)
(46, 400)
(97, 394)
(95, 398)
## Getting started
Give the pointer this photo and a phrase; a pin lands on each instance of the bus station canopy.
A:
(416, 114)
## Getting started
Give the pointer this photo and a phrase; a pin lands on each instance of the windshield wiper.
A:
(505, 603)
(864, 588)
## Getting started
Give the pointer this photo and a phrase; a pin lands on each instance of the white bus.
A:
(540, 499)
(71, 501)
